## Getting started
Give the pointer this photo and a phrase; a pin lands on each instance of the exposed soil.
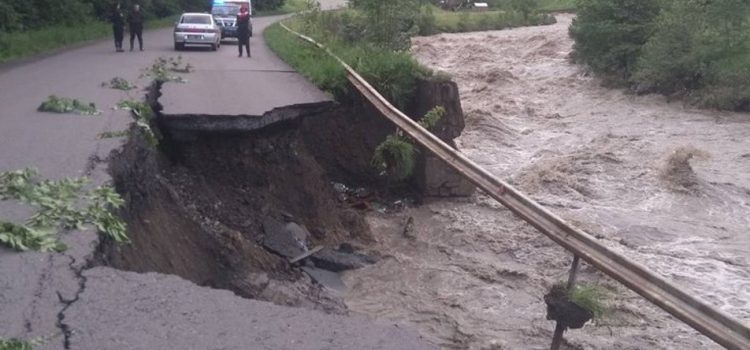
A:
(198, 207)
(663, 183)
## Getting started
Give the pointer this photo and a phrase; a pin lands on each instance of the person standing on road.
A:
(118, 26)
(135, 24)
(243, 30)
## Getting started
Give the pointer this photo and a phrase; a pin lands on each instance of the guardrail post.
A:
(559, 328)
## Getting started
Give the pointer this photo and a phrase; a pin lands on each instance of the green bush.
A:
(390, 23)
(700, 49)
(609, 34)
(395, 157)
(427, 22)
(524, 7)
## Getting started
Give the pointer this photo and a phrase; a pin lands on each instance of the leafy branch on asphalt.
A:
(119, 83)
(16, 344)
(112, 134)
(143, 116)
(395, 156)
(60, 205)
(55, 104)
(161, 70)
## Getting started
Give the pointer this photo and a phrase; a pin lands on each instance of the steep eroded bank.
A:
(199, 206)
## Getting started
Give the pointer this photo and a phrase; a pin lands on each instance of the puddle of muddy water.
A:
(660, 182)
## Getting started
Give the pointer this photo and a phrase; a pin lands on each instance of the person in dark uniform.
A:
(243, 30)
(135, 24)
(118, 26)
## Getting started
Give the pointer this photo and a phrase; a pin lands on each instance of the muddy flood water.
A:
(665, 184)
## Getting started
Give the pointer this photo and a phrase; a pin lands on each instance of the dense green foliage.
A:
(18, 15)
(25, 43)
(697, 49)
(395, 157)
(609, 34)
(388, 23)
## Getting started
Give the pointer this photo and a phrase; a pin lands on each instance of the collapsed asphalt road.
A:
(60, 297)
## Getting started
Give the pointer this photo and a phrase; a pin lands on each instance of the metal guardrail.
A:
(706, 319)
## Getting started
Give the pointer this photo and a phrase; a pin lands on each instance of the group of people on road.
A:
(135, 26)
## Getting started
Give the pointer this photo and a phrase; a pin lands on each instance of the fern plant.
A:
(396, 156)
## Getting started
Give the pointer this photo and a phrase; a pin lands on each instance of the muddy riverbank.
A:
(663, 183)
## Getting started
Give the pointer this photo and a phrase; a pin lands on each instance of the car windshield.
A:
(197, 19)
(225, 10)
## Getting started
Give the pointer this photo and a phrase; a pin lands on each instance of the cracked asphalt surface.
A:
(60, 297)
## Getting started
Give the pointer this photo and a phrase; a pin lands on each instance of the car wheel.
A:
(213, 47)
(179, 46)
(251, 33)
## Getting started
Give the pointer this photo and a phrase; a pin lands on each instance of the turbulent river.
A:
(665, 184)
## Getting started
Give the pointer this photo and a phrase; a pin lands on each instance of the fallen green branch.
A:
(143, 115)
(60, 205)
(55, 104)
(119, 83)
(163, 67)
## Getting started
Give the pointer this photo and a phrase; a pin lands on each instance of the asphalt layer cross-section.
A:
(59, 297)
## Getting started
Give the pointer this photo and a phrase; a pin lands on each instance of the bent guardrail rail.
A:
(706, 319)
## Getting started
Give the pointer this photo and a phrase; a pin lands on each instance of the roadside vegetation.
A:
(24, 43)
(32, 27)
(392, 72)
(696, 50)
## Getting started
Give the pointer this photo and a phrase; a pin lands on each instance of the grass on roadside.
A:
(393, 74)
(32, 42)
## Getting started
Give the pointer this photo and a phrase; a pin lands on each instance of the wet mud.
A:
(661, 182)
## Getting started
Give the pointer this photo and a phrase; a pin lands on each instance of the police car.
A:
(225, 14)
